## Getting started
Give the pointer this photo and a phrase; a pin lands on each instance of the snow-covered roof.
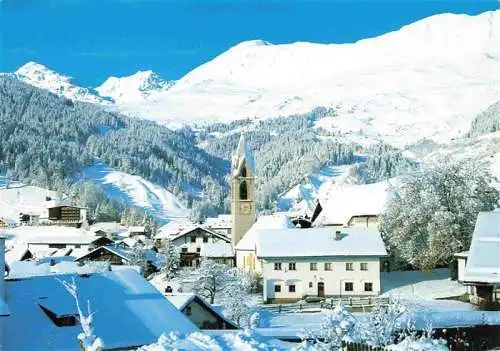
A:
(275, 221)
(180, 301)
(128, 312)
(137, 229)
(210, 232)
(173, 228)
(319, 242)
(241, 155)
(108, 227)
(219, 249)
(221, 221)
(347, 200)
(16, 253)
(153, 257)
(483, 263)
(64, 239)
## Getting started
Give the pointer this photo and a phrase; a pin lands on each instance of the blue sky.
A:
(93, 39)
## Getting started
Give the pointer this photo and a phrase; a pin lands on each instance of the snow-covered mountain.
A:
(137, 192)
(134, 88)
(42, 77)
(427, 80)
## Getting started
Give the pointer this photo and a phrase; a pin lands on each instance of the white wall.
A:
(461, 268)
(43, 247)
(185, 241)
(246, 260)
(334, 280)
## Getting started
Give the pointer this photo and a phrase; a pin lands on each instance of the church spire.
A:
(240, 156)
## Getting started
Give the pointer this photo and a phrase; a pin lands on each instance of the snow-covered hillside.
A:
(42, 77)
(134, 88)
(137, 192)
(302, 197)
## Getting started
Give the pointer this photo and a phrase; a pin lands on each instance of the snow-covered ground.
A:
(420, 285)
(138, 192)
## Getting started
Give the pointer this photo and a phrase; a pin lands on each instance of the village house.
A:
(296, 263)
(482, 265)
(354, 205)
(148, 260)
(220, 252)
(191, 241)
(7, 223)
(136, 231)
(109, 229)
(67, 215)
(38, 313)
(200, 312)
(78, 243)
(221, 224)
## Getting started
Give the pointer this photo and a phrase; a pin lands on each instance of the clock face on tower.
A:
(245, 208)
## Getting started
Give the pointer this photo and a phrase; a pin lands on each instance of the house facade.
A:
(83, 243)
(67, 215)
(292, 278)
(192, 241)
(296, 263)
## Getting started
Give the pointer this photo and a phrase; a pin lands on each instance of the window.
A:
(243, 190)
(291, 266)
(277, 266)
(363, 266)
(291, 288)
(184, 250)
(205, 239)
(57, 246)
(243, 170)
(188, 310)
(310, 284)
(348, 286)
(193, 239)
(277, 288)
(313, 266)
(77, 246)
(328, 266)
(198, 249)
(349, 266)
(368, 286)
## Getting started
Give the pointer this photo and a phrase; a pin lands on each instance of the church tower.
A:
(242, 191)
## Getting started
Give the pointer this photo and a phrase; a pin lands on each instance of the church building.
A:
(242, 191)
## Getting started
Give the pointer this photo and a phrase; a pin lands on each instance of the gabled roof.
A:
(210, 232)
(65, 239)
(153, 257)
(319, 242)
(137, 229)
(348, 200)
(128, 312)
(181, 301)
(483, 262)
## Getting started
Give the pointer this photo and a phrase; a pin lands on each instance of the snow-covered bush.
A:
(172, 260)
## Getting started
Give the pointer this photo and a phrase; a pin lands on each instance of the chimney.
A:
(338, 235)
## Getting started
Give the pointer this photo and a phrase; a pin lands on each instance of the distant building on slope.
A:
(67, 215)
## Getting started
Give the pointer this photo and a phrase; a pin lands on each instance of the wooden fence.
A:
(329, 303)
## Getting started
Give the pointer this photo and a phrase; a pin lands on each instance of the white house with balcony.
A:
(296, 263)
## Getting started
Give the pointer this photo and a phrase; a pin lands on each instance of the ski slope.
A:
(302, 197)
(137, 192)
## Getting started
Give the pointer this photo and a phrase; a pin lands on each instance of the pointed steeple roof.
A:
(242, 154)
